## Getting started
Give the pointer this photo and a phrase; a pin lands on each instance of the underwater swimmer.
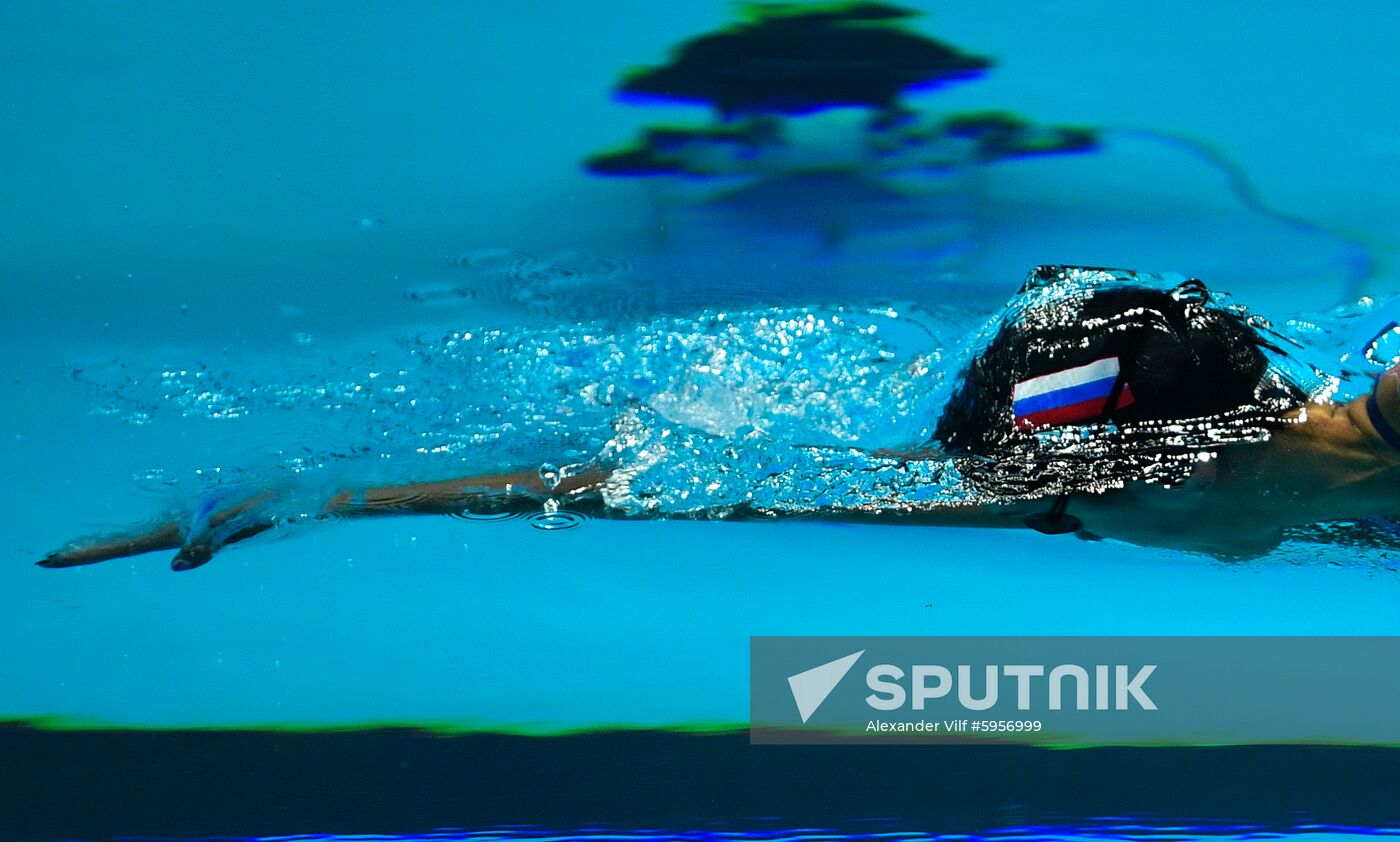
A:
(1100, 406)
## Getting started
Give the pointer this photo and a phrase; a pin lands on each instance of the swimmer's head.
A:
(1067, 347)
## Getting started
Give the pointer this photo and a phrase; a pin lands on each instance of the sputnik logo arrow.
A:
(810, 688)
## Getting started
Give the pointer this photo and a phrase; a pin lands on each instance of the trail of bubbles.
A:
(480, 399)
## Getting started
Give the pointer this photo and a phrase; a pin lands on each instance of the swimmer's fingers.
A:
(192, 553)
(220, 528)
(167, 536)
(197, 538)
(198, 552)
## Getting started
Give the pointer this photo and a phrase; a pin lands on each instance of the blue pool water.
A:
(354, 243)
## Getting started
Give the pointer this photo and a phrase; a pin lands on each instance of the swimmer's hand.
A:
(167, 536)
(213, 526)
(197, 537)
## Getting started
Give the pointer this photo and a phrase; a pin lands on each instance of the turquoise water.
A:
(355, 243)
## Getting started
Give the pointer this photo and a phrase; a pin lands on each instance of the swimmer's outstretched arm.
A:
(1338, 446)
(248, 518)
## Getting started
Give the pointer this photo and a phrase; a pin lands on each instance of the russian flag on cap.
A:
(1069, 396)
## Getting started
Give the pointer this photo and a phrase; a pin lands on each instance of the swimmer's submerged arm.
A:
(495, 492)
(248, 518)
(521, 488)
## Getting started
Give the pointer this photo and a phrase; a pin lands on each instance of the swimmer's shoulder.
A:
(1366, 429)
(1379, 413)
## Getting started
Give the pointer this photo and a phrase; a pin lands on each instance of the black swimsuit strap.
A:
(1387, 432)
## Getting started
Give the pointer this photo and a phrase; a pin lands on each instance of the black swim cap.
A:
(1074, 339)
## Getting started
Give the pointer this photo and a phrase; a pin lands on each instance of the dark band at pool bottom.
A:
(109, 784)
